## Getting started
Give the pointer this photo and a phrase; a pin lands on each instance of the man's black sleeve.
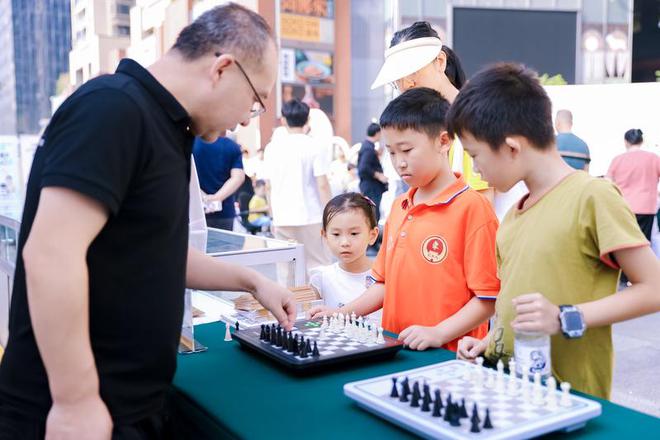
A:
(93, 146)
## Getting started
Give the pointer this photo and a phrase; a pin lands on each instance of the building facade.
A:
(100, 32)
(38, 35)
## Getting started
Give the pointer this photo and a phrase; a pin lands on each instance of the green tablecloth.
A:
(229, 391)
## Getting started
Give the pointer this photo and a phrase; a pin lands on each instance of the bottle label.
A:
(533, 358)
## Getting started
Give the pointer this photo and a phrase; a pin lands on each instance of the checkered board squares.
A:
(512, 416)
(334, 348)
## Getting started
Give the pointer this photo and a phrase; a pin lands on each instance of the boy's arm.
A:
(475, 312)
(536, 313)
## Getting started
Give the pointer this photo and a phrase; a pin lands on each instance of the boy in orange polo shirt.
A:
(436, 272)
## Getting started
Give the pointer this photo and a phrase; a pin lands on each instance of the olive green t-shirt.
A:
(561, 246)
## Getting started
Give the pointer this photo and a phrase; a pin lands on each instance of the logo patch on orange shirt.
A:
(434, 249)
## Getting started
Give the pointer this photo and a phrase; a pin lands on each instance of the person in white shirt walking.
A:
(296, 170)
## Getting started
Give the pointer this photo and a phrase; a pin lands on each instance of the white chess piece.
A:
(362, 334)
(227, 332)
(565, 394)
(512, 388)
(537, 398)
(499, 384)
(353, 317)
(380, 339)
(341, 320)
(524, 384)
(490, 378)
(324, 324)
(551, 397)
(467, 372)
(480, 372)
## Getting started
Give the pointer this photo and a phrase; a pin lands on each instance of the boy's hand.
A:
(534, 313)
(470, 348)
(418, 337)
(320, 311)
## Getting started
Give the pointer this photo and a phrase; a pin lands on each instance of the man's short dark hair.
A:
(503, 100)
(296, 113)
(421, 109)
(373, 129)
(226, 29)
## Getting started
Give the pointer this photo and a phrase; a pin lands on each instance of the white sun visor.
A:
(406, 58)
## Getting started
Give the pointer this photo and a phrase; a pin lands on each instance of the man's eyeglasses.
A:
(258, 108)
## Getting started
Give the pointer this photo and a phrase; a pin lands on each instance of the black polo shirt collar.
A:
(168, 102)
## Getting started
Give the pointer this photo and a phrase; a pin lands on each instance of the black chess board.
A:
(333, 348)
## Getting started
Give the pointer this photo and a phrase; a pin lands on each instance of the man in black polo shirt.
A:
(103, 250)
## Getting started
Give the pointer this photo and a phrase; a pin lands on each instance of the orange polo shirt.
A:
(435, 257)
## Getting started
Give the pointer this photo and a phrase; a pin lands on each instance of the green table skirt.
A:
(232, 392)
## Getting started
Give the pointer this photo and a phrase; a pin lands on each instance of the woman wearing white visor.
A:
(417, 58)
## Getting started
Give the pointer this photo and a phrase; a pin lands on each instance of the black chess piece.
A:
(303, 350)
(406, 387)
(262, 335)
(267, 334)
(315, 352)
(237, 326)
(438, 397)
(414, 400)
(294, 349)
(308, 346)
(487, 423)
(475, 426)
(475, 413)
(285, 342)
(426, 403)
(463, 413)
(290, 343)
(449, 409)
(273, 334)
(437, 405)
(455, 418)
(405, 390)
(395, 390)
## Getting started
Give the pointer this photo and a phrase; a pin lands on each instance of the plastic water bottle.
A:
(532, 354)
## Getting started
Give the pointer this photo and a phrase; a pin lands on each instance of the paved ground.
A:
(637, 364)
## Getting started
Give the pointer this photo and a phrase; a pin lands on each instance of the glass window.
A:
(123, 9)
(123, 30)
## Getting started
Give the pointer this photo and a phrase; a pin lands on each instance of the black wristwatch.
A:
(572, 321)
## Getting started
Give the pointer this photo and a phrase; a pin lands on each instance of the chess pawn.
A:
(490, 379)
(537, 398)
(380, 339)
(565, 394)
(467, 372)
(499, 385)
(480, 372)
(512, 388)
(524, 384)
(551, 397)
(227, 333)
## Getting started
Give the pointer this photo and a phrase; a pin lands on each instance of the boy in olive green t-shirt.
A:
(561, 249)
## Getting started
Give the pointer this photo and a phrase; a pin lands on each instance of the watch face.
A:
(573, 321)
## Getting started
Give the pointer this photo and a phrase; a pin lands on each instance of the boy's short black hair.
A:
(503, 100)
(421, 109)
(296, 113)
(373, 129)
